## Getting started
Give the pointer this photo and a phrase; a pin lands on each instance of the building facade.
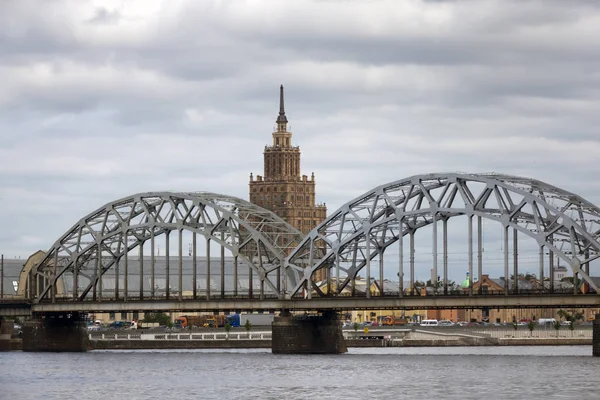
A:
(282, 188)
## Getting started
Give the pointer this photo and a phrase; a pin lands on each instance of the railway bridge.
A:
(242, 257)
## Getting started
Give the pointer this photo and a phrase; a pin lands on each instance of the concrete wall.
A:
(55, 333)
(596, 337)
(310, 335)
(180, 344)
(6, 331)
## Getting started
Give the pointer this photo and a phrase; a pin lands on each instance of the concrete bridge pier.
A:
(320, 334)
(60, 332)
(596, 336)
(6, 330)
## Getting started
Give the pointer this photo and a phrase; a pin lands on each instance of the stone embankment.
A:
(374, 338)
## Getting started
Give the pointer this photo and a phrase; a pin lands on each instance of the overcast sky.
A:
(103, 99)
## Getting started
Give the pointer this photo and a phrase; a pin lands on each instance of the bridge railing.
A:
(266, 335)
(465, 293)
(67, 299)
(417, 293)
(537, 333)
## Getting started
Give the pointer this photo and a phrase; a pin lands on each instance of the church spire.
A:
(281, 119)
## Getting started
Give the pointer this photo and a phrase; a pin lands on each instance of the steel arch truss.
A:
(363, 228)
(100, 240)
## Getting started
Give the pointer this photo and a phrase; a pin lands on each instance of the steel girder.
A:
(364, 227)
(99, 240)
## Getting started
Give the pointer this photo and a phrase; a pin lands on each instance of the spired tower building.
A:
(282, 189)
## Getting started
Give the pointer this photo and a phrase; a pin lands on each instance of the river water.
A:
(566, 372)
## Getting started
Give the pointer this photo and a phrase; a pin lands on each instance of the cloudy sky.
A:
(102, 99)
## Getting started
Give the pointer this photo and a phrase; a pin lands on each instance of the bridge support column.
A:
(596, 336)
(307, 334)
(6, 331)
(60, 332)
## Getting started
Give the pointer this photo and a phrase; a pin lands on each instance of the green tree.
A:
(161, 318)
(355, 326)
(531, 326)
(557, 327)
(227, 328)
(571, 317)
(440, 283)
(572, 327)
(248, 325)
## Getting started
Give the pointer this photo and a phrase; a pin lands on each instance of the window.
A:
(123, 316)
(111, 315)
(136, 315)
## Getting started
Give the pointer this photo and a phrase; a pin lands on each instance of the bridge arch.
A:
(99, 241)
(345, 243)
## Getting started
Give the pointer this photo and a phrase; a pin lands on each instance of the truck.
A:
(200, 321)
(145, 325)
(236, 320)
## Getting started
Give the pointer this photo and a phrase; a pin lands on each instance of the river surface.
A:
(565, 372)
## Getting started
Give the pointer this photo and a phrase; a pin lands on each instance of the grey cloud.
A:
(98, 103)
(104, 16)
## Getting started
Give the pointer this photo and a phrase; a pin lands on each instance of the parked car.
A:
(119, 325)
(446, 322)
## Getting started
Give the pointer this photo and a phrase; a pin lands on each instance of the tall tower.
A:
(282, 189)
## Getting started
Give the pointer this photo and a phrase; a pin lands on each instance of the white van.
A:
(546, 321)
(430, 322)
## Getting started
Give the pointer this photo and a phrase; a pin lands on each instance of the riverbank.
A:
(261, 344)
(16, 344)
(217, 339)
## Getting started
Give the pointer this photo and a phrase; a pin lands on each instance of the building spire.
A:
(281, 119)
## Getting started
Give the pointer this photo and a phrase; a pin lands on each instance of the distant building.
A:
(282, 189)
(560, 273)
(10, 271)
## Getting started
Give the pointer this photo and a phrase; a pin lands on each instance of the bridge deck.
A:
(329, 303)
